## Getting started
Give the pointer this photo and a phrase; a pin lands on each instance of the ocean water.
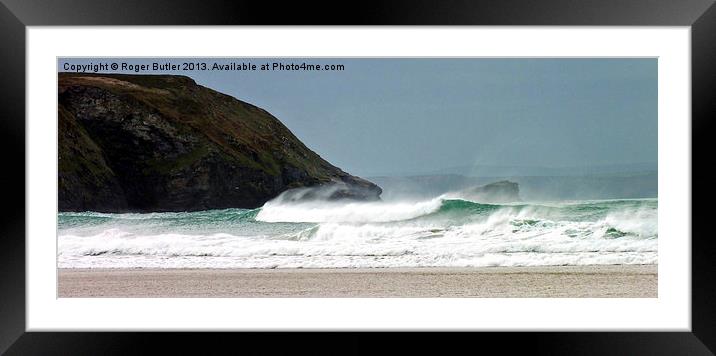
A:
(441, 232)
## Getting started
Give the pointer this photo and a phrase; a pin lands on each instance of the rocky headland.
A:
(139, 143)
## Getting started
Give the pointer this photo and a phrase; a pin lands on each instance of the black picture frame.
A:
(15, 15)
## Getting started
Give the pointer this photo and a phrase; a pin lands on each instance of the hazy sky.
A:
(401, 115)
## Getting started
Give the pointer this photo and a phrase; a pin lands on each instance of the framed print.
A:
(532, 169)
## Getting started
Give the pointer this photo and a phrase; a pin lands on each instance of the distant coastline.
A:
(617, 185)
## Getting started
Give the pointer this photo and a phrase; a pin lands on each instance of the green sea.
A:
(440, 232)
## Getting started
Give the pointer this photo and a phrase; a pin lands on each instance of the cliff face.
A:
(164, 143)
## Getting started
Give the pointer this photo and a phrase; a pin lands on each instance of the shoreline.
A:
(593, 281)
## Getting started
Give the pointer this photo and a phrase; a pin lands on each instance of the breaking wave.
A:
(443, 231)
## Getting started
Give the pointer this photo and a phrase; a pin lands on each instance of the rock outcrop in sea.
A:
(498, 192)
(138, 143)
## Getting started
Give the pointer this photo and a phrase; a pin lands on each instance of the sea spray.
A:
(443, 231)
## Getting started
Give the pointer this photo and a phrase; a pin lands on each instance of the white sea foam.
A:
(433, 232)
(354, 212)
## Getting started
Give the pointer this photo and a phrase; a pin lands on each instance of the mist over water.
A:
(447, 230)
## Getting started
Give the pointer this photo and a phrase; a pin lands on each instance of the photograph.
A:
(211, 176)
(357, 177)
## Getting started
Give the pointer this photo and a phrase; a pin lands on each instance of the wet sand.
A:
(491, 282)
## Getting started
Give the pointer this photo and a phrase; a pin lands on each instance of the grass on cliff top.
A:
(146, 80)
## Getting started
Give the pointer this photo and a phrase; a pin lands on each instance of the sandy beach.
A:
(614, 281)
